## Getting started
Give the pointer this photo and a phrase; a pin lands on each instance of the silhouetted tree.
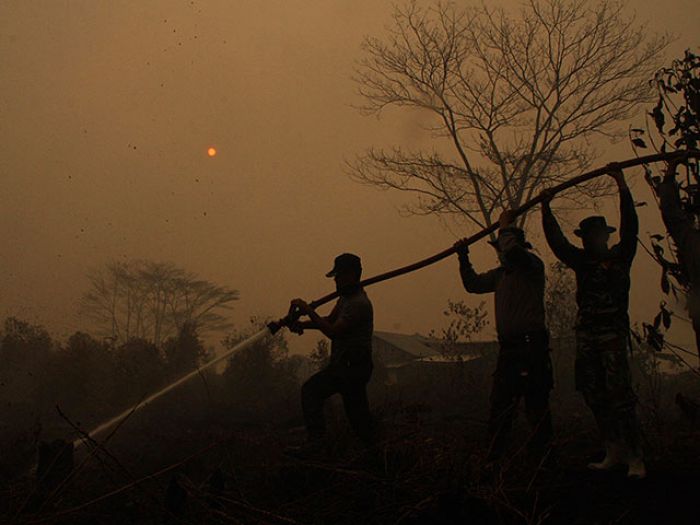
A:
(514, 101)
(25, 350)
(185, 352)
(83, 378)
(140, 369)
(153, 301)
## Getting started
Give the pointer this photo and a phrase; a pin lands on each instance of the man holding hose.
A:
(602, 327)
(524, 367)
(349, 326)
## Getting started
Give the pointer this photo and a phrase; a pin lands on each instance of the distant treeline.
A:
(93, 379)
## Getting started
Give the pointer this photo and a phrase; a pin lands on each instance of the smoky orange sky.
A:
(107, 111)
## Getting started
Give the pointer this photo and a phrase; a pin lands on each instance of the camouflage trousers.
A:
(603, 377)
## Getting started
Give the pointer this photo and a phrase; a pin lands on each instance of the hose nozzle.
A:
(292, 315)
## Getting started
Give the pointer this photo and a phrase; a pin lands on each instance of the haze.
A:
(107, 111)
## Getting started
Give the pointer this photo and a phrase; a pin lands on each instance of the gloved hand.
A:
(546, 195)
(671, 169)
(296, 327)
(462, 250)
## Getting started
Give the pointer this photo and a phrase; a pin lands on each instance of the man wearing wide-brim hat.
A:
(602, 325)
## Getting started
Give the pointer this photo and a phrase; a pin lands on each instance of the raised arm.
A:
(566, 252)
(475, 282)
(629, 223)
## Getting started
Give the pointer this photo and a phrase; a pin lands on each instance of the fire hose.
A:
(293, 314)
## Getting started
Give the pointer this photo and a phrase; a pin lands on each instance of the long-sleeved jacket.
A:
(685, 236)
(518, 285)
(603, 281)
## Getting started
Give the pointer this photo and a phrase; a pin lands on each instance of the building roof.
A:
(433, 360)
(421, 346)
(416, 345)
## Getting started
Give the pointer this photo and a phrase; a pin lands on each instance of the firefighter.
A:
(603, 328)
(349, 326)
(524, 367)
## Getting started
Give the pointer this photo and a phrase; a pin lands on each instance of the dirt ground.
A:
(429, 468)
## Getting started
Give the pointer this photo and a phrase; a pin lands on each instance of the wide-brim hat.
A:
(345, 262)
(593, 224)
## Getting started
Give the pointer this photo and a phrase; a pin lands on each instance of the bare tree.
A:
(514, 101)
(153, 301)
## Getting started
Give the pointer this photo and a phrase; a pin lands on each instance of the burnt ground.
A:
(429, 469)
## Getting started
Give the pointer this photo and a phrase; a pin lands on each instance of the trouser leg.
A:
(357, 410)
(504, 401)
(602, 376)
(540, 418)
(539, 383)
(621, 399)
(314, 393)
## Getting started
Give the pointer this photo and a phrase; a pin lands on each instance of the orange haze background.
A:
(107, 110)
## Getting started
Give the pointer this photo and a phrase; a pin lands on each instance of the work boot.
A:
(635, 467)
(613, 457)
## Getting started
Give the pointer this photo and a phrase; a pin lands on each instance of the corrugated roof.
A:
(433, 359)
(416, 345)
(421, 346)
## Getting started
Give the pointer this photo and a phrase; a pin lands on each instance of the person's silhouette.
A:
(349, 326)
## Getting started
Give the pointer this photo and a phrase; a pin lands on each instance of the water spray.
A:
(116, 419)
(294, 314)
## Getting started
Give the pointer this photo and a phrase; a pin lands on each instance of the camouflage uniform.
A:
(603, 377)
(602, 329)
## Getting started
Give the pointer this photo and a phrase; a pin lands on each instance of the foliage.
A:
(321, 354)
(560, 300)
(678, 89)
(464, 323)
(185, 352)
(676, 127)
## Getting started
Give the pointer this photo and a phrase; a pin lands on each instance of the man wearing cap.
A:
(602, 325)
(349, 326)
(523, 368)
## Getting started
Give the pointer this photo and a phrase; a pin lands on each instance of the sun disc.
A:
(211, 152)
